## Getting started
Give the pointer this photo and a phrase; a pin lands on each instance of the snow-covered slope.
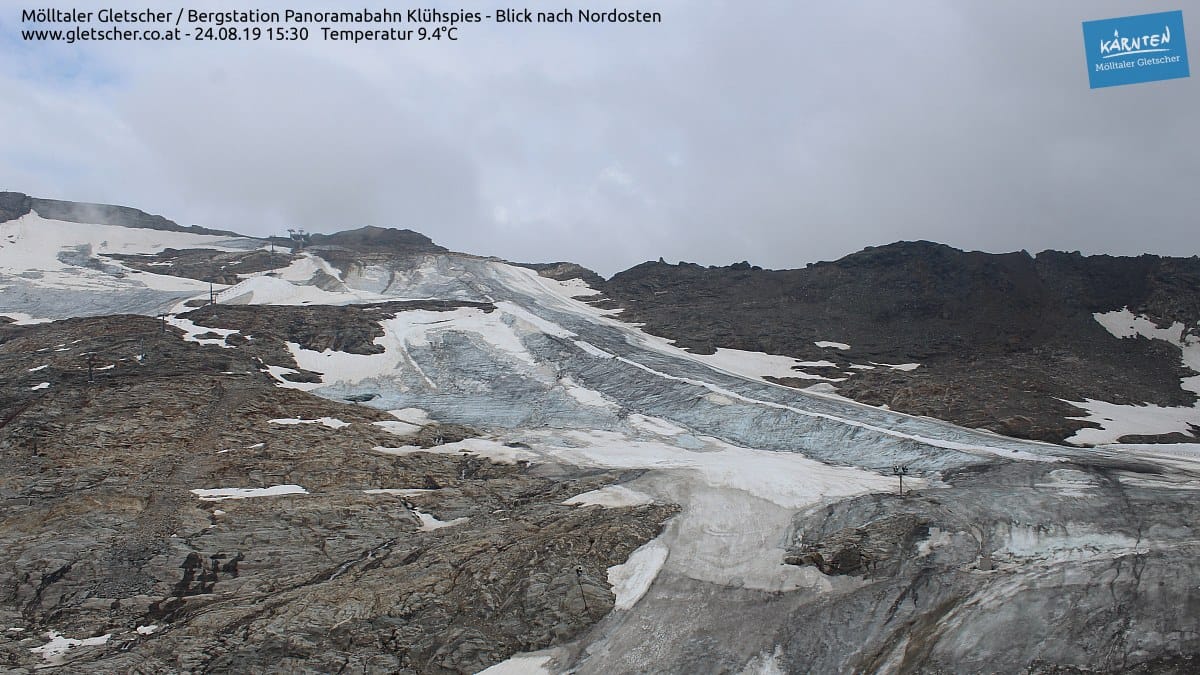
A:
(57, 269)
(1117, 420)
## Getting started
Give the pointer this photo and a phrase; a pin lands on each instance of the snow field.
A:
(54, 651)
(34, 244)
(331, 422)
(631, 579)
(1117, 420)
(218, 494)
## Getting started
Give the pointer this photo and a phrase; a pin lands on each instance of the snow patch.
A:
(1118, 420)
(520, 664)
(278, 372)
(631, 579)
(147, 630)
(415, 416)
(331, 422)
(493, 450)
(1123, 324)
(38, 387)
(303, 270)
(655, 425)
(612, 496)
(826, 344)
(403, 492)
(191, 330)
(584, 395)
(758, 364)
(217, 494)
(21, 319)
(55, 650)
(576, 288)
(827, 390)
(899, 366)
(269, 290)
(429, 523)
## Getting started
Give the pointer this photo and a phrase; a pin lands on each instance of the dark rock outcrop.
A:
(206, 264)
(565, 271)
(13, 205)
(1000, 338)
(863, 549)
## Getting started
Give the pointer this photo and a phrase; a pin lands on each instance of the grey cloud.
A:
(778, 132)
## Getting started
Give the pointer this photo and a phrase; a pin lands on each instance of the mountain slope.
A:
(432, 462)
(1002, 341)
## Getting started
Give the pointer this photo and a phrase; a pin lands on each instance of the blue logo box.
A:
(1132, 49)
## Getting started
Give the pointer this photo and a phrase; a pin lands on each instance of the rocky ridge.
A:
(1002, 341)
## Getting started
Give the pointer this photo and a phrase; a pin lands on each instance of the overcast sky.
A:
(775, 132)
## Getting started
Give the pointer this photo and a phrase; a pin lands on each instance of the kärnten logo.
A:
(1133, 49)
(1145, 44)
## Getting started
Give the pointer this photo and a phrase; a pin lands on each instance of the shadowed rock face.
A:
(13, 205)
(1000, 338)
